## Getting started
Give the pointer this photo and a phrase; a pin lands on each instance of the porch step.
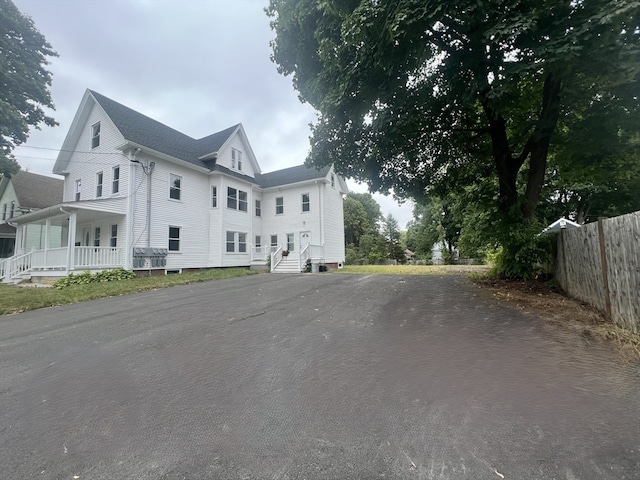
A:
(287, 266)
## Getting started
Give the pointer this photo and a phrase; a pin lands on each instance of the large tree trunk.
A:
(538, 144)
(506, 165)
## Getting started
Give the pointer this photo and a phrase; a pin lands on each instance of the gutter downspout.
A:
(148, 171)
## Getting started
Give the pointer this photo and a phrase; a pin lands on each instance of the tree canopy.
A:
(25, 82)
(428, 97)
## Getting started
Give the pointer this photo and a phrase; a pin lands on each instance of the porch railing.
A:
(98, 257)
(84, 258)
(13, 266)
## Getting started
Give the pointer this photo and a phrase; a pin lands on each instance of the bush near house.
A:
(100, 277)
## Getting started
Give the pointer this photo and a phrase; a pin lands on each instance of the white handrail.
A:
(274, 254)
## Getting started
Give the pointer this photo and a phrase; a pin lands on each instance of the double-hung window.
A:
(95, 135)
(114, 236)
(96, 237)
(214, 196)
(279, 205)
(115, 180)
(174, 239)
(4, 212)
(99, 178)
(258, 208)
(236, 159)
(13, 209)
(274, 240)
(236, 242)
(242, 201)
(258, 241)
(78, 189)
(306, 204)
(175, 186)
(232, 198)
(236, 199)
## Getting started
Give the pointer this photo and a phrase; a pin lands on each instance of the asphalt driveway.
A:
(323, 376)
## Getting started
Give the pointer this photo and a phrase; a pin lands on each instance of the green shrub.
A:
(87, 277)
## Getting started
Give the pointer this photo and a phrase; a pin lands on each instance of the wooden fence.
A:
(599, 263)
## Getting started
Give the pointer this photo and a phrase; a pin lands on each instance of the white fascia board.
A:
(71, 139)
(128, 145)
(243, 135)
(296, 184)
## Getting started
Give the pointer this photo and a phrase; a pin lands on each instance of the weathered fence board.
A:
(580, 267)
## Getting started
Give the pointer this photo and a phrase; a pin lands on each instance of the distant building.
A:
(22, 193)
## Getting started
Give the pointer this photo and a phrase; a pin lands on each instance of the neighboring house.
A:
(22, 193)
(143, 196)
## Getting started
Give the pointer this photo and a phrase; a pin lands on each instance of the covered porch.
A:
(77, 236)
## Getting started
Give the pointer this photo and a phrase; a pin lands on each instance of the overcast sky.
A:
(198, 66)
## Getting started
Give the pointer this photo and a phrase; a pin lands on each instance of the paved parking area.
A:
(323, 376)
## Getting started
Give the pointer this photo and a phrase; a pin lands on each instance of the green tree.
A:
(363, 240)
(25, 82)
(422, 231)
(391, 234)
(371, 208)
(411, 92)
(356, 222)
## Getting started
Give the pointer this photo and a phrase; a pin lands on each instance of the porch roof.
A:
(87, 210)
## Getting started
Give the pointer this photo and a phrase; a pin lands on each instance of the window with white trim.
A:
(242, 242)
(236, 242)
(214, 196)
(306, 203)
(175, 186)
(274, 240)
(279, 205)
(242, 201)
(96, 237)
(95, 135)
(13, 209)
(236, 199)
(115, 177)
(258, 241)
(78, 189)
(258, 208)
(290, 244)
(232, 198)
(99, 178)
(236, 159)
(113, 241)
(174, 239)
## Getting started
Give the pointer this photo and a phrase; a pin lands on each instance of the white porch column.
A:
(47, 227)
(71, 242)
(18, 248)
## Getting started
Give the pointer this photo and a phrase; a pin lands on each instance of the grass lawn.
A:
(414, 269)
(15, 299)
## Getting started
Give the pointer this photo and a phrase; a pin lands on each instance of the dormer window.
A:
(236, 159)
(95, 135)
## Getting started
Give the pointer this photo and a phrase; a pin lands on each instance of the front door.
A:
(305, 239)
(86, 236)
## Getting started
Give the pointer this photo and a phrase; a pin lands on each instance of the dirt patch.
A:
(551, 304)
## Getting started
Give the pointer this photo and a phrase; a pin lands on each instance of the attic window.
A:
(95, 135)
(236, 159)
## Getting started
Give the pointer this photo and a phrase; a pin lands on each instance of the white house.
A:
(22, 193)
(143, 196)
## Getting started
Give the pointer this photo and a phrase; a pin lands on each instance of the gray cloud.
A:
(197, 66)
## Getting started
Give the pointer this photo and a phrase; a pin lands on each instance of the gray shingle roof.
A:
(37, 191)
(300, 173)
(140, 129)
